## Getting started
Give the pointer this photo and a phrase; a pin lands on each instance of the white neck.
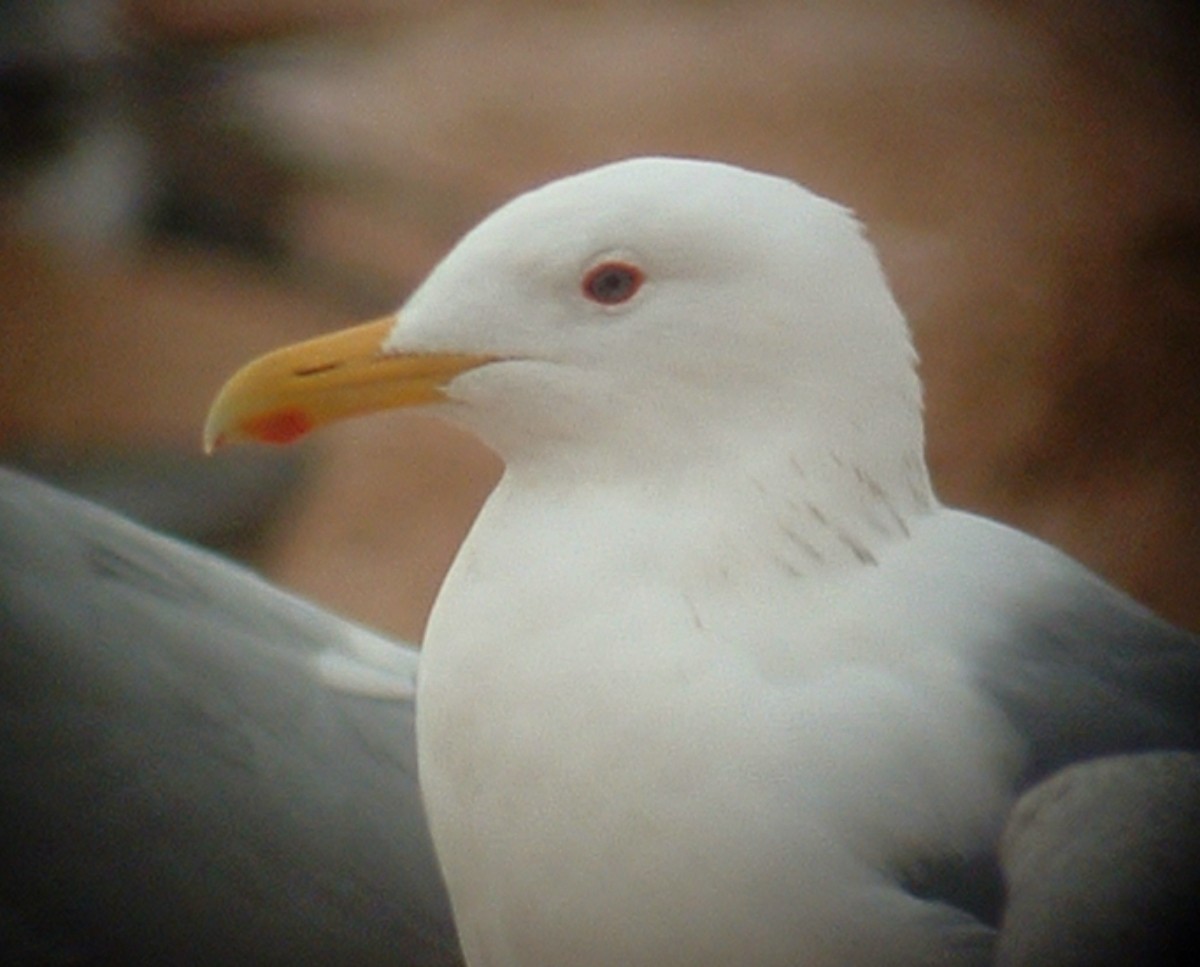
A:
(803, 498)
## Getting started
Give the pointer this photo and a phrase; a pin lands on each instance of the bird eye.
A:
(611, 283)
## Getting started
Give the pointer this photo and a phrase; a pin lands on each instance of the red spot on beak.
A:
(282, 426)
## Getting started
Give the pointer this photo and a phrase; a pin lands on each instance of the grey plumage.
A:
(1103, 864)
(179, 783)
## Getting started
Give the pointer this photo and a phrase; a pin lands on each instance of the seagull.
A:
(197, 768)
(715, 678)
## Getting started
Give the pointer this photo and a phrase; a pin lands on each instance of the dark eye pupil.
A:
(612, 283)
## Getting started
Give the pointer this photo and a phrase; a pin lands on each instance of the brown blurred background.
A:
(186, 185)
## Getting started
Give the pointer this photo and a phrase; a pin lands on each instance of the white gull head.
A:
(661, 315)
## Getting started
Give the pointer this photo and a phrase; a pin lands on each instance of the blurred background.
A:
(185, 185)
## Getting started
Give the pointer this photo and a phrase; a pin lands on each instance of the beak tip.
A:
(216, 433)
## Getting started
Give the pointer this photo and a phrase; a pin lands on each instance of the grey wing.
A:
(1100, 857)
(1085, 671)
(1102, 862)
(196, 768)
(1092, 683)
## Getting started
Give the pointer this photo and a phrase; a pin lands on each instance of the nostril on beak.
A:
(316, 370)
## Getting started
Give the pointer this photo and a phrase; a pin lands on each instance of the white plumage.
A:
(714, 678)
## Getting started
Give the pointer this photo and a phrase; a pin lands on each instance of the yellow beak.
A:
(285, 394)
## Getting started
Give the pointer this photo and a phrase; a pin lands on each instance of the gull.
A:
(715, 678)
